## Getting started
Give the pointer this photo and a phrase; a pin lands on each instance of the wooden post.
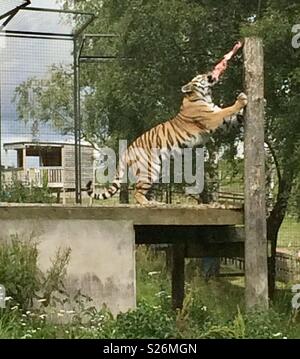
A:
(64, 200)
(178, 275)
(24, 159)
(256, 271)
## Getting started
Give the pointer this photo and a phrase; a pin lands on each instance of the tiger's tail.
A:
(108, 193)
(114, 187)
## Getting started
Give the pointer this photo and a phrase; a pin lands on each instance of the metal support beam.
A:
(15, 10)
(77, 123)
(38, 37)
(59, 11)
(38, 33)
(78, 59)
(85, 25)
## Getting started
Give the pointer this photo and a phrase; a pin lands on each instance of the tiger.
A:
(196, 120)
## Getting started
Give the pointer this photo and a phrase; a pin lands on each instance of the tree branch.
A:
(277, 165)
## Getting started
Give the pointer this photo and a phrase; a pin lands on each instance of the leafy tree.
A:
(38, 99)
(167, 43)
(282, 111)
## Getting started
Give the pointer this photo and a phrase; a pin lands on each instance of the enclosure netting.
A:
(9, 5)
(37, 102)
(48, 22)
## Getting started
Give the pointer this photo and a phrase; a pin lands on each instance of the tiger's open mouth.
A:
(211, 79)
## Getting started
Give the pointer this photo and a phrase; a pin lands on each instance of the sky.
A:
(21, 59)
(52, 4)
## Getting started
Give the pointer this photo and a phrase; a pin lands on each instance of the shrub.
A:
(199, 317)
(18, 193)
(21, 276)
(19, 272)
(268, 325)
(146, 322)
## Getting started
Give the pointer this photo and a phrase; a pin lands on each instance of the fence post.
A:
(256, 270)
(178, 275)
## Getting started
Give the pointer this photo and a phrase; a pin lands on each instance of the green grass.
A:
(289, 234)
(224, 297)
(213, 309)
(152, 277)
(153, 280)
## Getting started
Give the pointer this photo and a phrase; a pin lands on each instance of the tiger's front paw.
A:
(242, 100)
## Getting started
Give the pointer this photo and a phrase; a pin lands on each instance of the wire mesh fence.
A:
(28, 142)
(9, 6)
(37, 103)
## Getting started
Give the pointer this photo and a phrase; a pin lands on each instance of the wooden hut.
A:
(54, 164)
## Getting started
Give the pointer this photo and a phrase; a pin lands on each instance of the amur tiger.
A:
(198, 117)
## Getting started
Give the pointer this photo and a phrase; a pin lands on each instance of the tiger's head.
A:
(200, 85)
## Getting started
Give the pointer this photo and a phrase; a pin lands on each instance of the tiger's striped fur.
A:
(198, 117)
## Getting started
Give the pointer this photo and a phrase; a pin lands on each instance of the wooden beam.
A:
(162, 234)
(178, 275)
(256, 272)
(204, 249)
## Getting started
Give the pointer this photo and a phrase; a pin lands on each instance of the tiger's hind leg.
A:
(146, 177)
(140, 195)
(141, 189)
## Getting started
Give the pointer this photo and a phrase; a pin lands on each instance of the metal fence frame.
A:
(11, 13)
(76, 38)
(81, 59)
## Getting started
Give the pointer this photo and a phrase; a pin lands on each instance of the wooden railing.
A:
(287, 266)
(52, 176)
(231, 197)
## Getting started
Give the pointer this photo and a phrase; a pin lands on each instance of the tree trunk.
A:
(274, 222)
(256, 266)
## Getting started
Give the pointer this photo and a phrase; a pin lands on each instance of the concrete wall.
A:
(102, 240)
(102, 262)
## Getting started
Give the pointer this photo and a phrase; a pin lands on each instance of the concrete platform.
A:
(102, 240)
(138, 215)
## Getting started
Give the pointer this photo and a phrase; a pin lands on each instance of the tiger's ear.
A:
(187, 88)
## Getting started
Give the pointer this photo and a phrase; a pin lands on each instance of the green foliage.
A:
(16, 192)
(168, 42)
(53, 281)
(152, 276)
(266, 325)
(147, 321)
(294, 208)
(203, 315)
(21, 276)
(18, 271)
(49, 105)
